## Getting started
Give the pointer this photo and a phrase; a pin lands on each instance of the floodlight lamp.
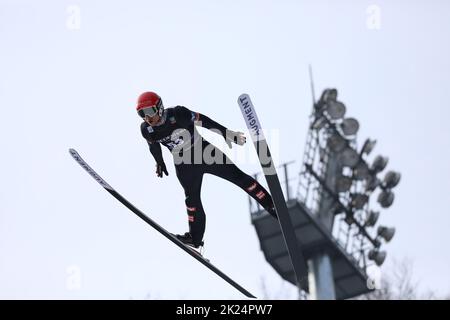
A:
(318, 123)
(386, 198)
(329, 95)
(379, 164)
(386, 233)
(359, 200)
(377, 256)
(349, 157)
(335, 110)
(372, 218)
(368, 146)
(349, 126)
(391, 179)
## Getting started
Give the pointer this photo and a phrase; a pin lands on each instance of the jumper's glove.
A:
(160, 169)
(236, 137)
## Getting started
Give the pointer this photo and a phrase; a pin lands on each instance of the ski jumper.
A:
(178, 125)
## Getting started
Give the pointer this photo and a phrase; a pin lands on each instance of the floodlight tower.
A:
(331, 211)
(345, 184)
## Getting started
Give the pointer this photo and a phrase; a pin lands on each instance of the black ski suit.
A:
(178, 133)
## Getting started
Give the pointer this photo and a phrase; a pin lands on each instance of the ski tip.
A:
(243, 97)
(89, 170)
(72, 151)
(74, 154)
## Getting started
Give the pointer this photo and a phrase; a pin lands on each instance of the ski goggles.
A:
(150, 111)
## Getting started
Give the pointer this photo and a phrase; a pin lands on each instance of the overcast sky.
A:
(71, 71)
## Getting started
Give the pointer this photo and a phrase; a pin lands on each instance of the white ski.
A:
(270, 172)
(156, 226)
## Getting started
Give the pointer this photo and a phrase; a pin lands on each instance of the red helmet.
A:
(149, 103)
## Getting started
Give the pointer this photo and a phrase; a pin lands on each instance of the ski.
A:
(156, 226)
(270, 173)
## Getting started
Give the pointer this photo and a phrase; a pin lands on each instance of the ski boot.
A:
(187, 240)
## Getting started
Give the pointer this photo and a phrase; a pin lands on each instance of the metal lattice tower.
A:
(332, 223)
